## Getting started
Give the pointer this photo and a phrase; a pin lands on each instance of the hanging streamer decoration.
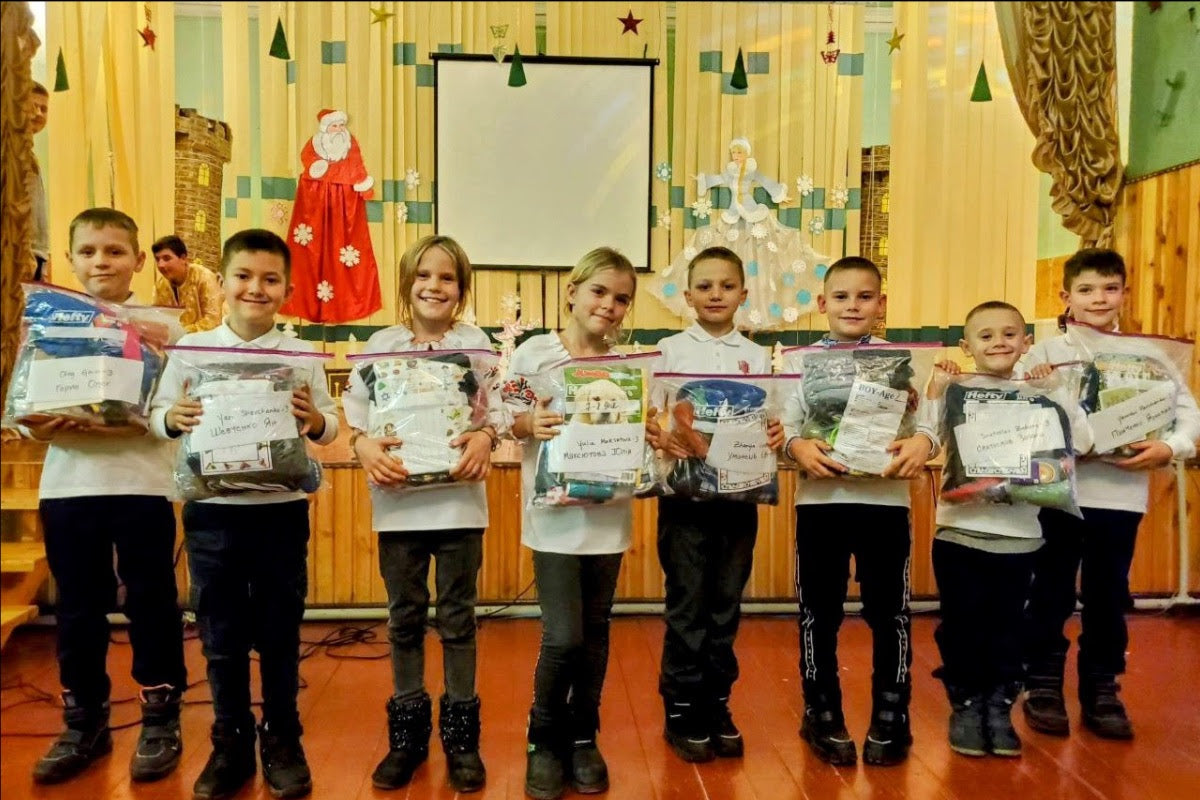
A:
(499, 47)
(279, 45)
(516, 73)
(147, 33)
(831, 52)
(982, 93)
(60, 74)
(738, 79)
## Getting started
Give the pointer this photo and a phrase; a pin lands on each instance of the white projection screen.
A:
(537, 175)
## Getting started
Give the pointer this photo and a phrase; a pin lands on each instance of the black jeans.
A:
(404, 565)
(80, 534)
(576, 596)
(982, 605)
(249, 579)
(879, 539)
(706, 550)
(1099, 548)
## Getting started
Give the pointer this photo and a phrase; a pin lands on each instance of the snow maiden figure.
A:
(780, 266)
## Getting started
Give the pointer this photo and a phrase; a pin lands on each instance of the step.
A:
(21, 556)
(18, 499)
(11, 617)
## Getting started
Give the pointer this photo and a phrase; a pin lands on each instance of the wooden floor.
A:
(342, 710)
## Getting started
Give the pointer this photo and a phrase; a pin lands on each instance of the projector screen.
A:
(537, 175)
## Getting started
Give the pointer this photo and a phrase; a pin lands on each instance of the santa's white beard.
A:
(332, 146)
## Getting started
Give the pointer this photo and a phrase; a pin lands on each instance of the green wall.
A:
(1166, 46)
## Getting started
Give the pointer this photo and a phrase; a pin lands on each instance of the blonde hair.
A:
(408, 273)
(600, 260)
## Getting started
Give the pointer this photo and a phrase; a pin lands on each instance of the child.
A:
(576, 550)
(247, 553)
(445, 523)
(983, 559)
(96, 493)
(866, 518)
(1113, 498)
(706, 548)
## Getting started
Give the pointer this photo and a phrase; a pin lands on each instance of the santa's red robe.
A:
(333, 264)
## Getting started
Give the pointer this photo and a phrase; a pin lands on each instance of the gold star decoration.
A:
(894, 42)
(380, 15)
(630, 22)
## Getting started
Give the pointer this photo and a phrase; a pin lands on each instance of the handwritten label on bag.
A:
(1131, 420)
(739, 444)
(869, 424)
(598, 448)
(230, 420)
(59, 382)
(999, 439)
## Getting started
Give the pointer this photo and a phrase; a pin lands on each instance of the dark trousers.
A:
(249, 579)
(706, 551)
(576, 595)
(982, 604)
(1099, 548)
(81, 534)
(879, 539)
(404, 564)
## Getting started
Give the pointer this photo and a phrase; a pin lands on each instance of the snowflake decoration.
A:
(790, 314)
(289, 330)
(690, 252)
(816, 226)
(510, 304)
(279, 212)
(774, 248)
(704, 238)
(840, 197)
(732, 234)
(663, 171)
(401, 213)
(302, 235)
(755, 317)
(412, 179)
(348, 255)
(324, 291)
(799, 265)
(759, 231)
(702, 208)
(664, 220)
(804, 185)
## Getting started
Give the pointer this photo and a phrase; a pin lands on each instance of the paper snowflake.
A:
(702, 208)
(324, 291)
(690, 252)
(840, 196)
(755, 317)
(412, 179)
(816, 226)
(279, 212)
(348, 255)
(302, 235)
(774, 248)
(510, 304)
(663, 171)
(664, 220)
(799, 265)
(759, 231)
(289, 330)
(704, 238)
(732, 234)
(804, 185)
(401, 212)
(790, 314)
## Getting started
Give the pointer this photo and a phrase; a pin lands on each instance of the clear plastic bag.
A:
(601, 453)
(1008, 440)
(1130, 385)
(861, 398)
(87, 360)
(722, 420)
(247, 439)
(428, 398)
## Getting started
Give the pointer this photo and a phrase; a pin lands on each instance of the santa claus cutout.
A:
(333, 264)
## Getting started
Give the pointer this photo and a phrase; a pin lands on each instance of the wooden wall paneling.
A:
(923, 515)
(1156, 554)
(1192, 481)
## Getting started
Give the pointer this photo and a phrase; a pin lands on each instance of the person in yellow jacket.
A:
(188, 286)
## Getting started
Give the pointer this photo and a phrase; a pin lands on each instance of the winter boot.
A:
(285, 768)
(409, 727)
(1002, 738)
(459, 724)
(686, 730)
(86, 739)
(824, 728)
(545, 775)
(968, 734)
(1103, 712)
(230, 765)
(589, 773)
(722, 732)
(158, 746)
(889, 736)
(1044, 708)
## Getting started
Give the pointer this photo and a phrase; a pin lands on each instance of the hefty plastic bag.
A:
(87, 360)
(861, 398)
(722, 420)
(601, 453)
(1130, 385)
(428, 399)
(1008, 440)
(247, 439)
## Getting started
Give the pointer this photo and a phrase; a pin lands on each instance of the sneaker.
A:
(967, 734)
(723, 733)
(589, 773)
(409, 727)
(459, 722)
(229, 766)
(284, 766)
(159, 745)
(544, 778)
(1045, 711)
(1103, 712)
(86, 738)
(825, 731)
(889, 736)
(685, 731)
(1002, 737)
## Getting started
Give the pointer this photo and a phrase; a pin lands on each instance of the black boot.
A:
(722, 732)
(889, 736)
(824, 728)
(285, 768)
(409, 725)
(589, 773)
(544, 770)
(86, 739)
(968, 735)
(159, 745)
(686, 730)
(1103, 712)
(459, 724)
(230, 765)
(1002, 737)
(1044, 707)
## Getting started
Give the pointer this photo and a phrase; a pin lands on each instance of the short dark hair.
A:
(257, 240)
(847, 263)
(720, 253)
(1100, 260)
(105, 218)
(172, 243)
(39, 89)
(994, 305)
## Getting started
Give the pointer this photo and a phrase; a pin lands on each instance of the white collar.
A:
(699, 334)
(270, 340)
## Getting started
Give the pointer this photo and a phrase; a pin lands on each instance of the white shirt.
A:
(576, 530)
(1102, 485)
(433, 508)
(696, 350)
(170, 388)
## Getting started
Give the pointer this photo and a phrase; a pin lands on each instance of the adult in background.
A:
(39, 99)
(181, 284)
